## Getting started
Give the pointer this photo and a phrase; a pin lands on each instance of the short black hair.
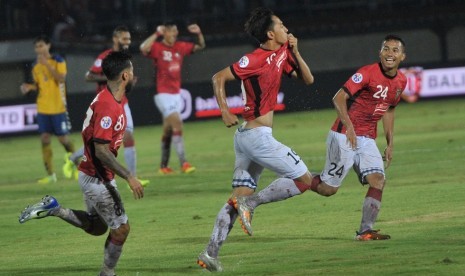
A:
(43, 38)
(259, 23)
(395, 37)
(169, 23)
(119, 29)
(115, 63)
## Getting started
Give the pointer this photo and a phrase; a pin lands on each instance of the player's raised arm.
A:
(303, 71)
(218, 81)
(148, 42)
(195, 29)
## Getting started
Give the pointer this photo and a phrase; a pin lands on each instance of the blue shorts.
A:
(57, 124)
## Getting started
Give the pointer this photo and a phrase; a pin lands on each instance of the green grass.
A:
(423, 206)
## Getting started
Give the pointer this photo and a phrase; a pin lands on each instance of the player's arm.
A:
(218, 81)
(340, 104)
(388, 125)
(303, 72)
(93, 77)
(146, 46)
(195, 29)
(103, 153)
(27, 87)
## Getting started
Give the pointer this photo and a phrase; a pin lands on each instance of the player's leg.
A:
(61, 129)
(339, 160)
(263, 149)
(175, 121)
(77, 155)
(128, 142)
(370, 169)
(45, 131)
(162, 102)
(243, 184)
(106, 201)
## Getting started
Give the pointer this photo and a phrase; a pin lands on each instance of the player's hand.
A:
(136, 187)
(229, 119)
(160, 30)
(351, 138)
(293, 42)
(194, 29)
(387, 156)
(24, 88)
(42, 59)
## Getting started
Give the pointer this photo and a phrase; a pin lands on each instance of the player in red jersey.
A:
(370, 95)
(121, 42)
(260, 72)
(168, 56)
(102, 133)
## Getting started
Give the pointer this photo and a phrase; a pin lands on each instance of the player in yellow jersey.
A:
(49, 74)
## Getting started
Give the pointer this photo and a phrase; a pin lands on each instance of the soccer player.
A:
(168, 56)
(255, 148)
(370, 95)
(103, 131)
(49, 75)
(121, 42)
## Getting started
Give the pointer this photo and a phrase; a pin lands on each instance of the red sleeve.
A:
(154, 51)
(246, 67)
(358, 81)
(291, 64)
(97, 66)
(105, 119)
(186, 48)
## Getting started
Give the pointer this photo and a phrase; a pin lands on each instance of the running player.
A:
(260, 73)
(49, 74)
(103, 131)
(168, 56)
(121, 42)
(370, 95)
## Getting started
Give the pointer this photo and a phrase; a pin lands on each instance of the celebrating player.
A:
(121, 42)
(49, 74)
(103, 131)
(255, 148)
(370, 95)
(167, 58)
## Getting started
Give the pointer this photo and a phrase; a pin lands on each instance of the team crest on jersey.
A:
(243, 62)
(105, 123)
(98, 63)
(357, 78)
(398, 92)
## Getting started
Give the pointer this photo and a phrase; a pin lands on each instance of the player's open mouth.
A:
(389, 60)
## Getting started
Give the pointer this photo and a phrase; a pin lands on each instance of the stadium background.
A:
(335, 37)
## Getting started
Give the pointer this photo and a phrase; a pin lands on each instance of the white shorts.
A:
(340, 157)
(100, 201)
(257, 149)
(168, 103)
(129, 123)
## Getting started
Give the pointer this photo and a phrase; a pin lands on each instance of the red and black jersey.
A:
(97, 69)
(260, 73)
(371, 93)
(105, 123)
(168, 62)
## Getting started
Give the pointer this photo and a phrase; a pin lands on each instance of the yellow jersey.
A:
(51, 98)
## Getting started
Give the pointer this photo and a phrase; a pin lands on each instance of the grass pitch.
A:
(423, 206)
